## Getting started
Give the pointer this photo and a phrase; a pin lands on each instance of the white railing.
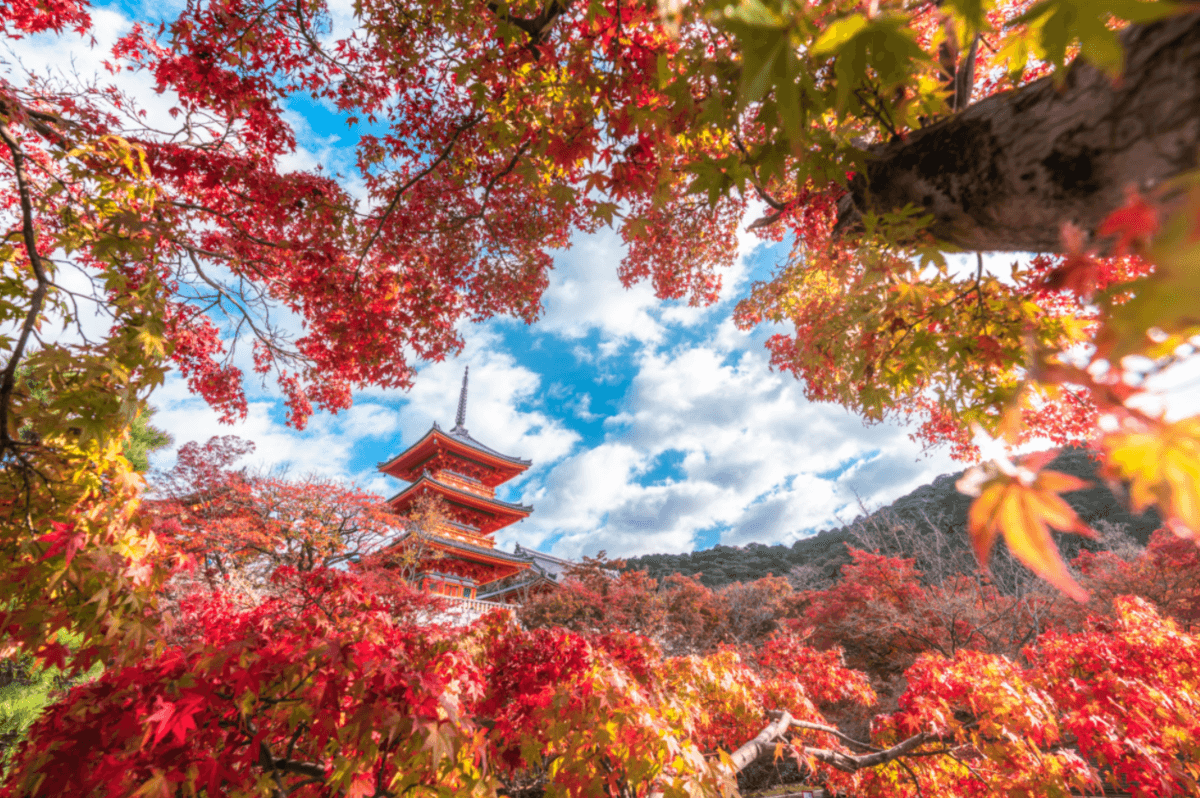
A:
(478, 605)
(462, 611)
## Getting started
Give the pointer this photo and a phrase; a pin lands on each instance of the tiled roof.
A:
(518, 585)
(548, 564)
(458, 433)
(520, 508)
(458, 544)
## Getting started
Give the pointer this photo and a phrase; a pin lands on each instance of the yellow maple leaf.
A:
(1162, 466)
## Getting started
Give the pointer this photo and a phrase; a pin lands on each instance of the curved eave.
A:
(504, 467)
(500, 563)
(502, 513)
(476, 553)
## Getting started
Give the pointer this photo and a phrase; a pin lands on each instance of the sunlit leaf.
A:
(838, 34)
(1023, 511)
(1162, 465)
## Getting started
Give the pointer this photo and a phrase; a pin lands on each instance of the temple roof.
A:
(536, 581)
(451, 543)
(461, 434)
(492, 466)
(501, 563)
(548, 564)
(501, 513)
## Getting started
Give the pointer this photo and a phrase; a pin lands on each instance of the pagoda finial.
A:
(461, 418)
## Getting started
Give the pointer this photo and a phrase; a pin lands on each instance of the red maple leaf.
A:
(1135, 222)
(1079, 273)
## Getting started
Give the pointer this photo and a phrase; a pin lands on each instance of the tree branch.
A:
(1001, 175)
(296, 766)
(803, 724)
(848, 763)
(763, 745)
(467, 124)
(537, 27)
(964, 77)
(37, 299)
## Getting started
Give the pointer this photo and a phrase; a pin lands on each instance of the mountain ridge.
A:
(938, 502)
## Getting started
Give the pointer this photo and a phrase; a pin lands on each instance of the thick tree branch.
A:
(764, 744)
(538, 27)
(1004, 173)
(295, 766)
(848, 763)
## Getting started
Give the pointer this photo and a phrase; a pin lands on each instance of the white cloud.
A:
(585, 295)
(500, 413)
(80, 60)
(753, 458)
(501, 393)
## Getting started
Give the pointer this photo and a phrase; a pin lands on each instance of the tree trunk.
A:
(1004, 174)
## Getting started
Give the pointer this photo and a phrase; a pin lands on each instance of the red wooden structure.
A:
(458, 555)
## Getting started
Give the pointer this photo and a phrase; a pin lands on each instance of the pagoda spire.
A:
(461, 419)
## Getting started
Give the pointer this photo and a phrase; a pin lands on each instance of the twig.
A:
(916, 781)
(442, 156)
(803, 724)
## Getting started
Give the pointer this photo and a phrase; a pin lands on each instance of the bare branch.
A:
(803, 724)
(37, 299)
(763, 745)
(466, 125)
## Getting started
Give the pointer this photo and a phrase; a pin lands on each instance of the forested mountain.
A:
(931, 509)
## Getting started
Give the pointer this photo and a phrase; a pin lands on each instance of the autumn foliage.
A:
(487, 135)
(329, 681)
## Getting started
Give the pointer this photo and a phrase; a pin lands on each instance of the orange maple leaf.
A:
(1023, 509)
(1162, 466)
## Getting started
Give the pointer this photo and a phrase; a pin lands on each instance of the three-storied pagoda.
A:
(463, 474)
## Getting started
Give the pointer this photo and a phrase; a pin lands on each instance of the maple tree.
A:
(680, 614)
(233, 520)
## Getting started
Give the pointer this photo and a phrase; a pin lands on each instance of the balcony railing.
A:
(462, 611)
(464, 483)
(478, 605)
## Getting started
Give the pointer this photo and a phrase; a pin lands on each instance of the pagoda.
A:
(458, 555)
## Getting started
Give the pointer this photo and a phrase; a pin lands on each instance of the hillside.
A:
(930, 509)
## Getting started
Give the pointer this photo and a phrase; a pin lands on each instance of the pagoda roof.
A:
(470, 552)
(459, 444)
(502, 513)
(460, 434)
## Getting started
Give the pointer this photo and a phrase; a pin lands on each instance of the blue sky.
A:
(653, 427)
